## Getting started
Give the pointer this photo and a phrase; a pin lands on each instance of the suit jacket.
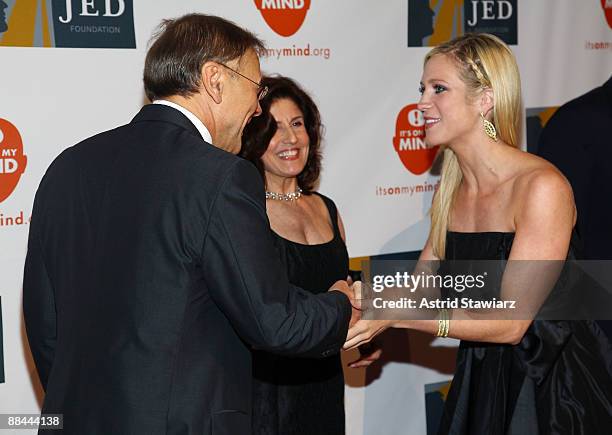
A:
(150, 271)
(578, 141)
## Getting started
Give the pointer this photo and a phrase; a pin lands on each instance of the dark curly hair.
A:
(258, 133)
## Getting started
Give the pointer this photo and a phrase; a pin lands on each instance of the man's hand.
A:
(343, 287)
(369, 353)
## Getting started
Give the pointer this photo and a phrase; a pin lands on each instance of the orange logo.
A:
(409, 141)
(285, 17)
(12, 159)
(607, 7)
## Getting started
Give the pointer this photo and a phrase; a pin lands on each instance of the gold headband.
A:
(479, 75)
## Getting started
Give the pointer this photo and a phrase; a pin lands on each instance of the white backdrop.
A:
(361, 73)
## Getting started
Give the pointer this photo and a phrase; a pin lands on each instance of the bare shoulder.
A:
(544, 212)
(542, 189)
(539, 177)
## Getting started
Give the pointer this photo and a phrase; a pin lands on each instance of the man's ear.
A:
(212, 81)
(487, 101)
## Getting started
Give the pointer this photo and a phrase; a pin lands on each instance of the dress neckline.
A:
(481, 232)
(304, 244)
(332, 214)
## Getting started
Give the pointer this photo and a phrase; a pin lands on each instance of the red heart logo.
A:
(285, 17)
(12, 160)
(409, 141)
(607, 7)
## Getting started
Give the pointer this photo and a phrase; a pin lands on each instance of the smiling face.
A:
(451, 116)
(287, 153)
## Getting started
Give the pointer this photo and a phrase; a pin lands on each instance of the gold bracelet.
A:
(446, 324)
(443, 323)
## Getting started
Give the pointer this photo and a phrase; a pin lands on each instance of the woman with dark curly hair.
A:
(294, 395)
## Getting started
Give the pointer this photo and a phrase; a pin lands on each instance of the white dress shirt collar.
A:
(194, 119)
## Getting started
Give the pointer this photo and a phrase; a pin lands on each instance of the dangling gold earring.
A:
(489, 128)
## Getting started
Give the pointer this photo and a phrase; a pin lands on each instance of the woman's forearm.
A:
(490, 331)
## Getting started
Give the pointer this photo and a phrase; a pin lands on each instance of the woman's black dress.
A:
(299, 395)
(555, 381)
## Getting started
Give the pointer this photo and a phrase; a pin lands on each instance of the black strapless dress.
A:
(299, 395)
(557, 380)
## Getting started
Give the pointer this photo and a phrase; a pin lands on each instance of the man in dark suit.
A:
(151, 268)
(577, 140)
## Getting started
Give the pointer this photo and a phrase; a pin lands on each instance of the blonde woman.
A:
(496, 201)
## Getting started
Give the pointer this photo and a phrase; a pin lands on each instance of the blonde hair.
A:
(484, 61)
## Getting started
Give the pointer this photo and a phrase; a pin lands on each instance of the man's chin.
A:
(233, 146)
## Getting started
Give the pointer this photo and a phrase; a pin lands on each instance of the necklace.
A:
(292, 196)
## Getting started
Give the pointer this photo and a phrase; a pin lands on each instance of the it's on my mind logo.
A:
(409, 141)
(12, 160)
(432, 22)
(67, 23)
(607, 7)
(285, 17)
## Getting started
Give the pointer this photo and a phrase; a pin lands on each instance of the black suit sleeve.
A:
(567, 143)
(39, 305)
(248, 282)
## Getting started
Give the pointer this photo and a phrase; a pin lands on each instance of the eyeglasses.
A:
(262, 90)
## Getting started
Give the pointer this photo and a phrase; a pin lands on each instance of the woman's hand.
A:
(364, 331)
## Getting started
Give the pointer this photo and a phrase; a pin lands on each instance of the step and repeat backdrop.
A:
(72, 68)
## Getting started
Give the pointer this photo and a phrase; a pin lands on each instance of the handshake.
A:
(361, 331)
